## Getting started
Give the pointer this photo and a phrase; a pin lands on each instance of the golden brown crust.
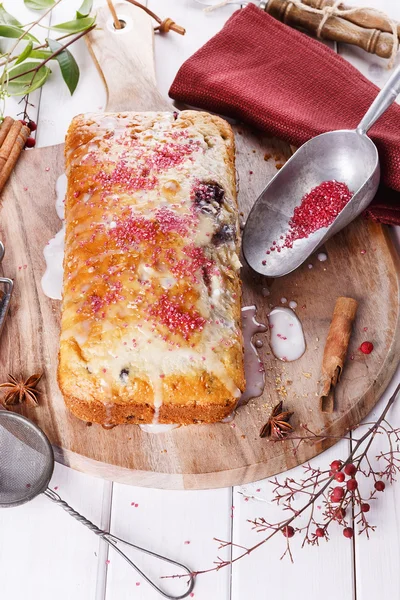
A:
(121, 251)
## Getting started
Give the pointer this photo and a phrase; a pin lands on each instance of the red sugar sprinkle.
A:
(187, 542)
(319, 208)
(138, 583)
(130, 178)
(172, 314)
(131, 230)
(108, 562)
(171, 222)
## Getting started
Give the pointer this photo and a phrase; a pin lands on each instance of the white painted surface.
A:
(44, 554)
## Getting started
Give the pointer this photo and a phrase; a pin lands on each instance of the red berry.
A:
(30, 142)
(365, 507)
(352, 485)
(339, 514)
(339, 477)
(288, 531)
(366, 347)
(319, 532)
(23, 122)
(350, 470)
(348, 532)
(337, 494)
(32, 125)
(379, 486)
(336, 465)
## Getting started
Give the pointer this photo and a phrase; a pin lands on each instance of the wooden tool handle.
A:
(364, 17)
(125, 59)
(336, 29)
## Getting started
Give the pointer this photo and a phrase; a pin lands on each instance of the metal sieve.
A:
(26, 467)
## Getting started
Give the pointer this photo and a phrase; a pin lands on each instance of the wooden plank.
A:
(59, 554)
(328, 567)
(179, 525)
(375, 559)
(58, 107)
(41, 534)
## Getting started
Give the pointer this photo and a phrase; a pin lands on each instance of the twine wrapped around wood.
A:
(369, 28)
(327, 11)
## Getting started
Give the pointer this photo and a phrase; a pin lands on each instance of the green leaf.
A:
(27, 82)
(84, 9)
(11, 31)
(68, 65)
(39, 4)
(8, 19)
(25, 53)
(42, 54)
(75, 26)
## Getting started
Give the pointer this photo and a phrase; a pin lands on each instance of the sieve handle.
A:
(112, 540)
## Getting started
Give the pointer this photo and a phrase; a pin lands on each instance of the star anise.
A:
(278, 425)
(20, 390)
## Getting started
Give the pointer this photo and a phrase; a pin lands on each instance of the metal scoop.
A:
(26, 467)
(348, 156)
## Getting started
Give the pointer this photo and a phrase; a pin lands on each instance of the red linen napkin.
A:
(277, 79)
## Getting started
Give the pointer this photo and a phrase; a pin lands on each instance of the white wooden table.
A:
(44, 554)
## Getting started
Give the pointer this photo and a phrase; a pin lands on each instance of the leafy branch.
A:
(27, 70)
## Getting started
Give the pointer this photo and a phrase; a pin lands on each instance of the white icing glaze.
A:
(61, 192)
(253, 367)
(159, 428)
(292, 304)
(286, 334)
(52, 279)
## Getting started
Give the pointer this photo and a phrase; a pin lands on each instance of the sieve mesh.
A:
(26, 460)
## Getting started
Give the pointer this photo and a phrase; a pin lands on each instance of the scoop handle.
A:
(384, 99)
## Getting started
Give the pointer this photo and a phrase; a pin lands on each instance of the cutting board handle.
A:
(125, 59)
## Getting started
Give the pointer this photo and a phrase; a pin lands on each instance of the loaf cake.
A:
(150, 327)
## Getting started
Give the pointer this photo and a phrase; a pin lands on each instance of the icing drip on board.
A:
(159, 428)
(286, 334)
(52, 279)
(253, 367)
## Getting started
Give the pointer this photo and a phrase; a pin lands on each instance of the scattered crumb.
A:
(307, 375)
(267, 156)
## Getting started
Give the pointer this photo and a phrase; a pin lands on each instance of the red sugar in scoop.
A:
(319, 208)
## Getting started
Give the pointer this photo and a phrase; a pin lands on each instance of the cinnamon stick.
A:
(5, 128)
(336, 349)
(11, 148)
(9, 142)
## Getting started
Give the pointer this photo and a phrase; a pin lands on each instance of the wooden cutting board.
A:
(361, 263)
